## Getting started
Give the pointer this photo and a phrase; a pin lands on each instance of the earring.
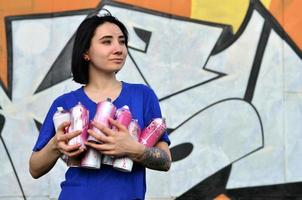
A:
(86, 57)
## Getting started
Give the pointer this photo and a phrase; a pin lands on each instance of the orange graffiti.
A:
(289, 15)
(178, 8)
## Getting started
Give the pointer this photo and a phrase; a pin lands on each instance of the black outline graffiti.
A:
(251, 86)
(209, 188)
(181, 151)
(138, 69)
(229, 41)
(145, 36)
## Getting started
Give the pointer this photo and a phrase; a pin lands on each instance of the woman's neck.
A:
(100, 80)
(102, 86)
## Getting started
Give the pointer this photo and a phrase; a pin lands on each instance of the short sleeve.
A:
(47, 130)
(152, 111)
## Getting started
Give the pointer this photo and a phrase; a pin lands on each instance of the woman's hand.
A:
(60, 141)
(43, 160)
(116, 143)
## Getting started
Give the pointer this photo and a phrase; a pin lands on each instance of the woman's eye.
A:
(122, 41)
(106, 42)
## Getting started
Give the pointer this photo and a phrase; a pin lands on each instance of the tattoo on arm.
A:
(155, 158)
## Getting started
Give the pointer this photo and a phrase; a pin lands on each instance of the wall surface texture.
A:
(228, 75)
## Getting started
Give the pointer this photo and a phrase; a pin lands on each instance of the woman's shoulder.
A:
(138, 87)
(68, 96)
(140, 91)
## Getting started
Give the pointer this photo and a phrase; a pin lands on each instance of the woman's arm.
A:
(157, 157)
(43, 161)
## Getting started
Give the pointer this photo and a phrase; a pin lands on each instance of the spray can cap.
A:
(126, 107)
(60, 109)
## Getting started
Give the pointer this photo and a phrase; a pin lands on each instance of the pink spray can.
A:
(123, 116)
(104, 111)
(79, 121)
(152, 133)
(125, 164)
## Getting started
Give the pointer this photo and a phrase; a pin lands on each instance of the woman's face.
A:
(107, 51)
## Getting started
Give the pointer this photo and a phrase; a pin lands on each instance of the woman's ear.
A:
(86, 57)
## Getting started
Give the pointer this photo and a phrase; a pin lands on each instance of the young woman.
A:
(99, 52)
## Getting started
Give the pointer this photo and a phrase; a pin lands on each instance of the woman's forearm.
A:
(42, 161)
(157, 158)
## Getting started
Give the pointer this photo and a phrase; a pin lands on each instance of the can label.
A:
(124, 164)
(91, 159)
(152, 133)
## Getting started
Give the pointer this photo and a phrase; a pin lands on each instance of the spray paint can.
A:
(79, 122)
(60, 117)
(123, 116)
(152, 133)
(79, 118)
(91, 159)
(125, 164)
(104, 111)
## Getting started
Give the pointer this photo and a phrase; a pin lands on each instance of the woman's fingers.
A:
(72, 134)
(107, 131)
(99, 136)
(118, 125)
(75, 153)
(68, 136)
(71, 150)
(63, 126)
(99, 147)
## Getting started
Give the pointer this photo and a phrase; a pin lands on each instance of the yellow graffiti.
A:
(230, 12)
(266, 3)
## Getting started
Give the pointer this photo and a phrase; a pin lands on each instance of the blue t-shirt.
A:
(105, 183)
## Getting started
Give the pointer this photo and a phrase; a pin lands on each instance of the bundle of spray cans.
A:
(79, 118)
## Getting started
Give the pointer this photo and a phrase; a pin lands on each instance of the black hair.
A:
(84, 34)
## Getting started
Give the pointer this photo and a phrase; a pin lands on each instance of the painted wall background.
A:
(227, 74)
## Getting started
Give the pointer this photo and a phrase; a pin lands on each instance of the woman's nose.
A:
(118, 48)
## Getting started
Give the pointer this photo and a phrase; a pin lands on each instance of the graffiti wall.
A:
(227, 74)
